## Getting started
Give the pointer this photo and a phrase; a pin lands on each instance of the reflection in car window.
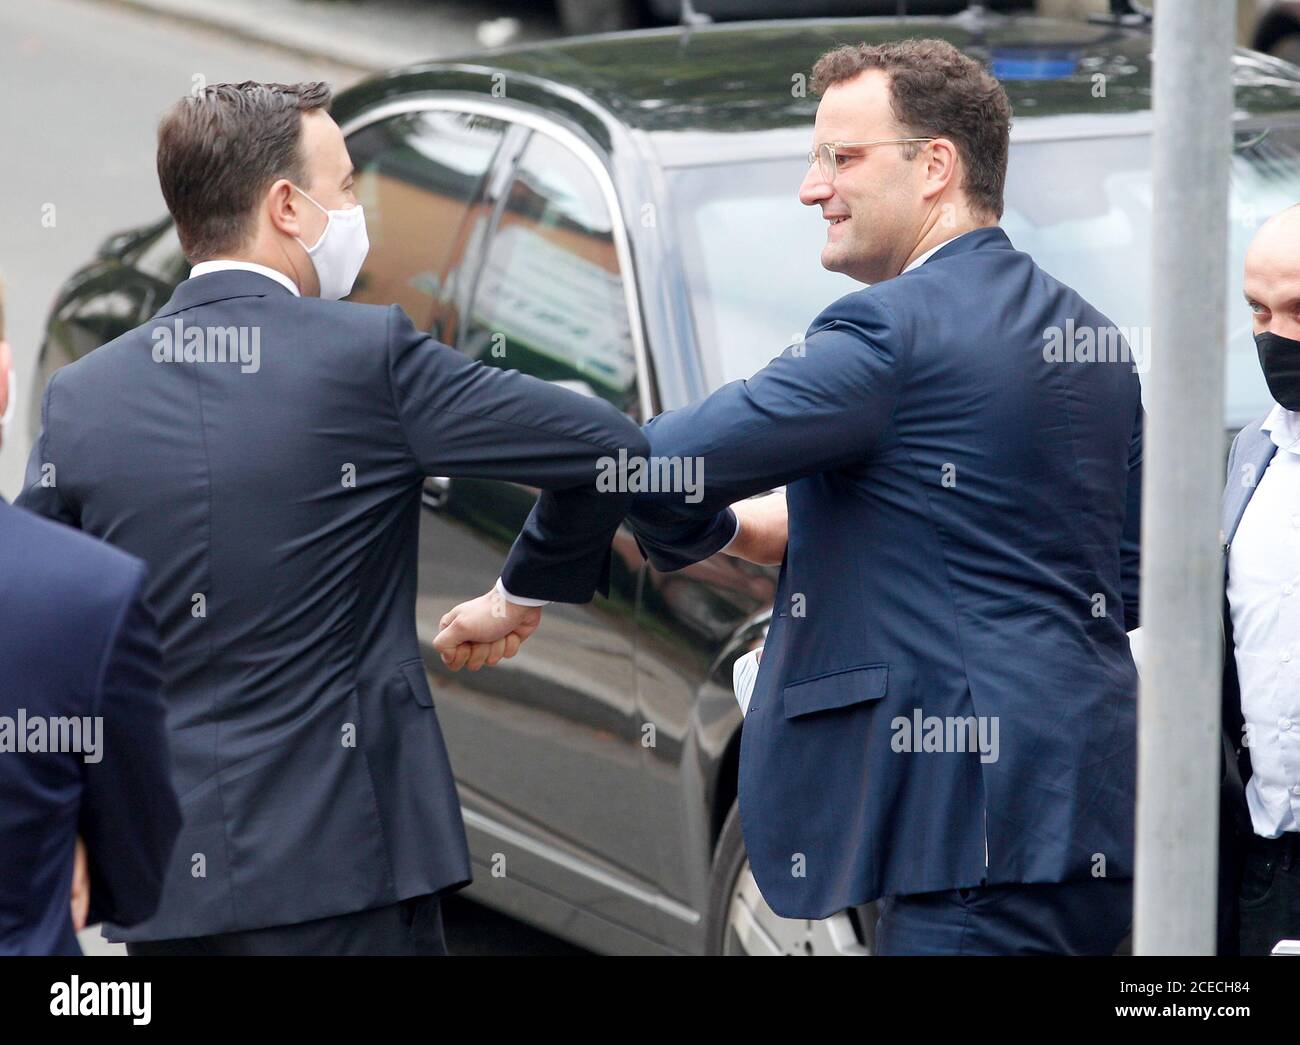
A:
(420, 178)
(752, 253)
(1082, 209)
(550, 299)
(161, 258)
(1088, 223)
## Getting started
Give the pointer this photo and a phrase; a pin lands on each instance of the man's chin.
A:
(834, 259)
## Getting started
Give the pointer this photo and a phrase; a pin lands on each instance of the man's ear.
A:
(940, 166)
(283, 207)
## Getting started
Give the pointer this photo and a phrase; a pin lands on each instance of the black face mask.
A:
(1280, 359)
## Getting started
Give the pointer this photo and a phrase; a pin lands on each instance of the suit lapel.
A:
(1252, 458)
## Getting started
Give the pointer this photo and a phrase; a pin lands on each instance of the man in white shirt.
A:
(1262, 623)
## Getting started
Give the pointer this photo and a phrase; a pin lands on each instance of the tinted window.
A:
(1082, 210)
(550, 298)
(161, 259)
(420, 178)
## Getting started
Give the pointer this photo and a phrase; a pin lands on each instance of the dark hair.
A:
(220, 148)
(935, 90)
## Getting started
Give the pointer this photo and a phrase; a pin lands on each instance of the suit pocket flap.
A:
(419, 683)
(838, 689)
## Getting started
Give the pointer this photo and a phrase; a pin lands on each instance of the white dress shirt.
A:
(916, 263)
(222, 264)
(1264, 600)
(923, 258)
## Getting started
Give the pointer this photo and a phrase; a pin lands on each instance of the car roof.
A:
(738, 77)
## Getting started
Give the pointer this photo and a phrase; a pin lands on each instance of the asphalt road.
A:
(83, 83)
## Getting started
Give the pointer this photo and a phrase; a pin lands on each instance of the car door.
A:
(547, 746)
(499, 240)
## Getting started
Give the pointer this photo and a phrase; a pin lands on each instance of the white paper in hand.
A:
(743, 676)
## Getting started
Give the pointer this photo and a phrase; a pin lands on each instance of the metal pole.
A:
(1182, 581)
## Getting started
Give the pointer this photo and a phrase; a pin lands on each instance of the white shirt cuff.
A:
(519, 600)
(734, 535)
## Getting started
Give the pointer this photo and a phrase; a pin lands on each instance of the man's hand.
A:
(764, 526)
(484, 630)
(80, 886)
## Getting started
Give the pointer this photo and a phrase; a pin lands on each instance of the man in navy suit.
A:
(945, 711)
(83, 750)
(263, 446)
(1260, 804)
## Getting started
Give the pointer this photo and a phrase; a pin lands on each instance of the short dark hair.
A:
(935, 90)
(221, 147)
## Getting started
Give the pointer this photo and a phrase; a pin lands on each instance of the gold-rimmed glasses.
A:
(826, 155)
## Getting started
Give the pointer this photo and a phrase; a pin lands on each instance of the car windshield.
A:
(1081, 208)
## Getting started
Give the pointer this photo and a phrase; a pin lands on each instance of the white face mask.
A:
(13, 399)
(341, 250)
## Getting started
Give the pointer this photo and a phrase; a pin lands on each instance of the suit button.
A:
(1286, 656)
(1285, 724)
(1289, 590)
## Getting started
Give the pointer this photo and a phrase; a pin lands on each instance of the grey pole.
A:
(1182, 581)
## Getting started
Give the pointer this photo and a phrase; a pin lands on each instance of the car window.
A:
(420, 177)
(161, 259)
(550, 299)
(1082, 210)
(1089, 224)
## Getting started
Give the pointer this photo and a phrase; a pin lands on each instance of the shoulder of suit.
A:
(879, 305)
(60, 562)
(1247, 434)
(339, 317)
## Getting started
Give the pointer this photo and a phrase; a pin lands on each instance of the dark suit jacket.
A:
(1250, 455)
(278, 509)
(964, 524)
(77, 642)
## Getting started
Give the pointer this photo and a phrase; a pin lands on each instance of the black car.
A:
(619, 214)
(606, 16)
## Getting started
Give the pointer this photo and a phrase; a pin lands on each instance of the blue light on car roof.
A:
(1033, 65)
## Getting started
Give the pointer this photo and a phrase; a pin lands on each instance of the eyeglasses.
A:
(826, 158)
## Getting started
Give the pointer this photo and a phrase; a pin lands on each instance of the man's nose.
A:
(815, 189)
(1284, 325)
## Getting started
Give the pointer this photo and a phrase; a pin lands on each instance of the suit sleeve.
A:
(821, 405)
(129, 814)
(1131, 539)
(465, 420)
(40, 493)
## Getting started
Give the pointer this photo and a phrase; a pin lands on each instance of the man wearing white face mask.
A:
(10, 387)
(262, 445)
